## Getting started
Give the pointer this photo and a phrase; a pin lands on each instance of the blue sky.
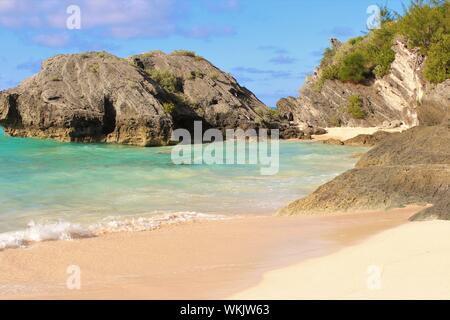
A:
(268, 45)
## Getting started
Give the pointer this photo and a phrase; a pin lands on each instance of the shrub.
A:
(327, 73)
(378, 49)
(185, 53)
(94, 68)
(353, 68)
(422, 21)
(167, 80)
(214, 75)
(328, 57)
(356, 40)
(195, 74)
(437, 66)
(354, 107)
(425, 24)
(168, 107)
(152, 53)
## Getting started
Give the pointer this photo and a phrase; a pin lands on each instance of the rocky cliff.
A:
(401, 96)
(98, 97)
(411, 167)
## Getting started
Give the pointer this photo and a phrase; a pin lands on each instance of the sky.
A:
(268, 45)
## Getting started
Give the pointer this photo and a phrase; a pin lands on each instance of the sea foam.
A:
(62, 230)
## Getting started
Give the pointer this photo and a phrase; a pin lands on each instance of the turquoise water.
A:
(46, 181)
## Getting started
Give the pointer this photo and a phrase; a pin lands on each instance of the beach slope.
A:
(409, 262)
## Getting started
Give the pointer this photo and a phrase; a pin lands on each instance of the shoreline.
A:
(346, 133)
(201, 260)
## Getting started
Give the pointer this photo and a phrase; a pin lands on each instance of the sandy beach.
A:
(408, 262)
(346, 133)
(203, 260)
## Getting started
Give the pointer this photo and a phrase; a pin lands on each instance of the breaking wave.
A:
(62, 230)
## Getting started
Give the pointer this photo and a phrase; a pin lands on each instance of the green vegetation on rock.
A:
(168, 107)
(152, 54)
(437, 68)
(353, 68)
(424, 25)
(185, 53)
(354, 107)
(167, 80)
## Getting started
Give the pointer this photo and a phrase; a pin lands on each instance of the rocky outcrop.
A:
(207, 93)
(97, 97)
(366, 140)
(411, 167)
(402, 95)
(88, 97)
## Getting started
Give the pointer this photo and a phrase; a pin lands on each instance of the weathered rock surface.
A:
(368, 140)
(97, 97)
(86, 98)
(362, 140)
(401, 96)
(411, 167)
(208, 93)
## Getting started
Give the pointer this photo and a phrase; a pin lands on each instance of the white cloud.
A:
(115, 17)
(51, 40)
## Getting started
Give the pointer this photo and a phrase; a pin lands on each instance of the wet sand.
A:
(202, 260)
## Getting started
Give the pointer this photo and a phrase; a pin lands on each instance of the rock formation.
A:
(97, 97)
(402, 95)
(362, 140)
(411, 167)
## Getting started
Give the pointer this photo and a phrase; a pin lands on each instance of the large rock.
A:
(97, 97)
(411, 167)
(402, 96)
(86, 98)
(368, 140)
(207, 93)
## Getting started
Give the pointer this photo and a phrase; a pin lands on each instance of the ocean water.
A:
(53, 190)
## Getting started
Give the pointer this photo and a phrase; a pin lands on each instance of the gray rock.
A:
(97, 97)
(407, 168)
(401, 97)
(368, 140)
(91, 97)
(335, 142)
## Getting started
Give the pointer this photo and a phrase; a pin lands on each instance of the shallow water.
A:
(46, 182)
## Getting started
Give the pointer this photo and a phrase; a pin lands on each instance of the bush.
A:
(168, 107)
(94, 68)
(353, 68)
(354, 107)
(166, 80)
(425, 24)
(185, 53)
(328, 57)
(437, 66)
(214, 75)
(422, 21)
(153, 53)
(327, 73)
